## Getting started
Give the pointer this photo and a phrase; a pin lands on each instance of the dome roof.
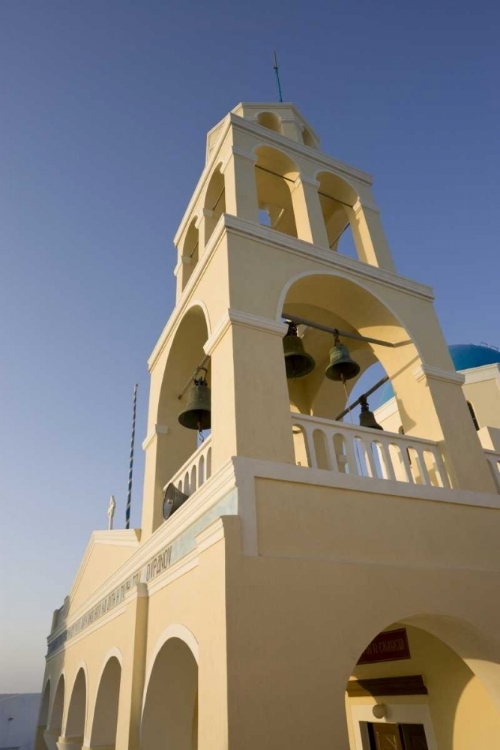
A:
(464, 357)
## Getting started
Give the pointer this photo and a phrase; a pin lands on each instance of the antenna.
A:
(131, 464)
(276, 70)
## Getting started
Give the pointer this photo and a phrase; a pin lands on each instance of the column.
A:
(307, 210)
(205, 227)
(250, 403)
(369, 236)
(241, 189)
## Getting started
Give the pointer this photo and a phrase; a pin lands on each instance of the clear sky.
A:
(104, 108)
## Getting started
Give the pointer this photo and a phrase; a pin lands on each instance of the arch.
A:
(473, 415)
(170, 712)
(184, 355)
(269, 120)
(57, 712)
(77, 711)
(105, 720)
(275, 174)
(308, 138)
(190, 251)
(43, 714)
(457, 662)
(214, 202)
(358, 310)
(336, 197)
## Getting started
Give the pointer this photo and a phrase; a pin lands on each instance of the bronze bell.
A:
(366, 417)
(172, 500)
(297, 361)
(196, 415)
(341, 366)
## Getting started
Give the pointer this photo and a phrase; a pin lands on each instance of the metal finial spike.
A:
(278, 82)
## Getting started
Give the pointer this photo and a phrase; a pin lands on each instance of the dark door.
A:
(397, 737)
(384, 737)
(414, 737)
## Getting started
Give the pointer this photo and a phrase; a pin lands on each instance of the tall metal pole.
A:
(131, 464)
(276, 70)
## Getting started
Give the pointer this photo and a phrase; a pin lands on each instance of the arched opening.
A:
(43, 717)
(170, 716)
(336, 302)
(185, 354)
(275, 174)
(56, 715)
(75, 723)
(473, 415)
(105, 720)
(411, 689)
(215, 202)
(269, 120)
(190, 252)
(308, 139)
(337, 198)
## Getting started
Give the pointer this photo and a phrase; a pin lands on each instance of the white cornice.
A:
(294, 147)
(219, 485)
(328, 257)
(480, 374)
(158, 429)
(210, 535)
(436, 373)
(185, 298)
(237, 317)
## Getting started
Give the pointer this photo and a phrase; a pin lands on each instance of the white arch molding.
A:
(67, 700)
(176, 630)
(342, 275)
(114, 651)
(62, 675)
(199, 303)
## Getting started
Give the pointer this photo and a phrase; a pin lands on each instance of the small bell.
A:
(366, 417)
(341, 366)
(172, 500)
(196, 415)
(297, 362)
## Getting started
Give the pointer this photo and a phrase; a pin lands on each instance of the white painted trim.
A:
(175, 630)
(325, 478)
(209, 536)
(436, 373)
(177, 570)
(388, 409)
(397, 713)
(211, 491)
(237, 317)
(62, 675)
(158, 429)
(81, 665)
(480, 374)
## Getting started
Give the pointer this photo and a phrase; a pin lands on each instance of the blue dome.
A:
(464, 357)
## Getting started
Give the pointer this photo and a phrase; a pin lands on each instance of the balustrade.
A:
(195, 471)
(359, 451)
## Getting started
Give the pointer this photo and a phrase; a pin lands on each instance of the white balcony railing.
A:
(493, 459)
(344, 448)
(195, 471)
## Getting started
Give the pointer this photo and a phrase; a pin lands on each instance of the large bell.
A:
(366, 417)
(341, 366)
(297, 362)
(172, 500)
(196, 415)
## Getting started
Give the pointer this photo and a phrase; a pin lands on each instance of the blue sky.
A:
(104, 109)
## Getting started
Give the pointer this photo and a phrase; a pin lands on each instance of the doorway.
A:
(384, 736)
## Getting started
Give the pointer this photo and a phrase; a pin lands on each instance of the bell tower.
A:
(259, 241)
(300, 581)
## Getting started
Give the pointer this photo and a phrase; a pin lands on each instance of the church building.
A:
(299, 581)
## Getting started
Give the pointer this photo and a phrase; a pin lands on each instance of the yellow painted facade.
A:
(238, 622)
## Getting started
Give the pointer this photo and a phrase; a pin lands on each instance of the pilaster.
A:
(240, 186)
(308, 214)
(369, 236)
